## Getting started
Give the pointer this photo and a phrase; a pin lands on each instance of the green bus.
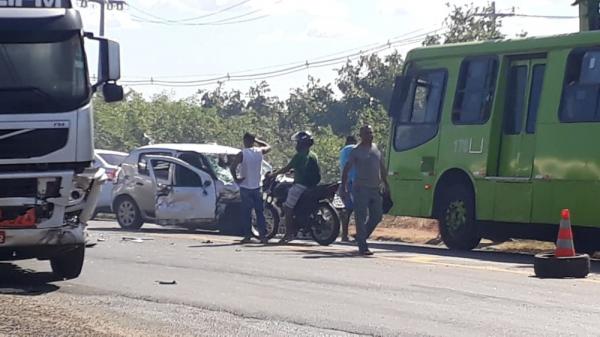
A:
(494, 138)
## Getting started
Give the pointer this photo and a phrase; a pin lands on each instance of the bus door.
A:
(513, 195)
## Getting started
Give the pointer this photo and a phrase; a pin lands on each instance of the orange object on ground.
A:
(564, 243)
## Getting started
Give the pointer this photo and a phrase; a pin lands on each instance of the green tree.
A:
(468, 23)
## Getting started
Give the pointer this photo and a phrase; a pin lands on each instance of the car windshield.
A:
(43, 73)
(223, 173)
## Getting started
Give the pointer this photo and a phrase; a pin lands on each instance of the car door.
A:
(143, 190)
(188, 195)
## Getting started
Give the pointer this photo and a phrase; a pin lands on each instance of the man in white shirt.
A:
(250, 159)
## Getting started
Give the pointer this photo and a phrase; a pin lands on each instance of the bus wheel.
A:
(456, 216)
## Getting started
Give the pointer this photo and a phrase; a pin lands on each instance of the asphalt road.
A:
(225, 289)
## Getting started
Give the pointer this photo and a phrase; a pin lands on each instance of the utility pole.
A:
(105, 4)
(495, 15)
(589, 14)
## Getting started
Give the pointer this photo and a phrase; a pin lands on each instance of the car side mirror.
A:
(206, 183)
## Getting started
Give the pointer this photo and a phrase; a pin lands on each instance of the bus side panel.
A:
(567, 165)
(409, 177)
(568, 172)
(410, 198)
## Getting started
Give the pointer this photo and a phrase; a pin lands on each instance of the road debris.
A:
(136, 240)
(207, 241)
(167, 282)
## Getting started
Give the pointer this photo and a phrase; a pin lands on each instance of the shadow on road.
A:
(315, 255)
(481, 255)
(17, 281)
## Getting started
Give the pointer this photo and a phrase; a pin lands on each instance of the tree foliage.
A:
(468, 23)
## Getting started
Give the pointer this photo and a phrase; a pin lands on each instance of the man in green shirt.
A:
(307, 174)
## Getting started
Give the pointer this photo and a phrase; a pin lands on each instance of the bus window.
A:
(515, 100)
(419, 117)
(537, 81)
(475, 90)
(581, 88)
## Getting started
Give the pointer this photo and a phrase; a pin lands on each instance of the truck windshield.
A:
(42, 74)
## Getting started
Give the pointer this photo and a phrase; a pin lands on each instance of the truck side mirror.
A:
(112, 92)
(109, 68)
(110, 61)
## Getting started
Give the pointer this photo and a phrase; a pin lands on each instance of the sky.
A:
(268, 35)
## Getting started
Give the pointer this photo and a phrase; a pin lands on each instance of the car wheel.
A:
(455, 211)
(128, 213)
(70, 264)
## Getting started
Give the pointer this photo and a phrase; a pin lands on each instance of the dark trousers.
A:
(252, 199)
(367, 213)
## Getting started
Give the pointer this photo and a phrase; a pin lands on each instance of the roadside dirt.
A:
(425, 231)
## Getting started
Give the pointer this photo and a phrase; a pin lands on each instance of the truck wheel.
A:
(128, 213)
(550, 266)
(68, 265)
(455, 211)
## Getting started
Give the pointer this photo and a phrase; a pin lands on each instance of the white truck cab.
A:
(48, 187)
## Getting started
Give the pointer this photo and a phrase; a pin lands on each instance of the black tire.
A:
(550, 266)
(272, 225)
(325, 227)
(455, 212)
(128, 213)
(68, 265)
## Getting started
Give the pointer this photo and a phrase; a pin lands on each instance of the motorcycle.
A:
(314, 214)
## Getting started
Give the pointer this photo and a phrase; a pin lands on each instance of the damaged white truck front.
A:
(48, 188)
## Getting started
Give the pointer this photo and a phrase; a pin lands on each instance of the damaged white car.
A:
(184, 185)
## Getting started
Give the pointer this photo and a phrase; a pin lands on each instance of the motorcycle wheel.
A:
(325, 226)
(271, 219)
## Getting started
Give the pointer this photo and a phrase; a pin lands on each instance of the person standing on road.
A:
(370, 178)
(307, 174)
(250, 182)
(344, 155)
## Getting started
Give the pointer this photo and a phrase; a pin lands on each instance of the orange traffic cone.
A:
(564, 243)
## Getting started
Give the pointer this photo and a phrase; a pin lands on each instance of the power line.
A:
(280, 72)
(226, 21)
(545, 16)
(435, 29)
(223, 10)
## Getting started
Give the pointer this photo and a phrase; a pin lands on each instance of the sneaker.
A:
(285, 240)
(365, 252)
(245, 240)
(345, 239)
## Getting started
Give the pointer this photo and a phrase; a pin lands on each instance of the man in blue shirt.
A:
(344, 155)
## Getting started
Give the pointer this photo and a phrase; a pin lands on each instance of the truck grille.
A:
(34, 143)
(26, 188)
